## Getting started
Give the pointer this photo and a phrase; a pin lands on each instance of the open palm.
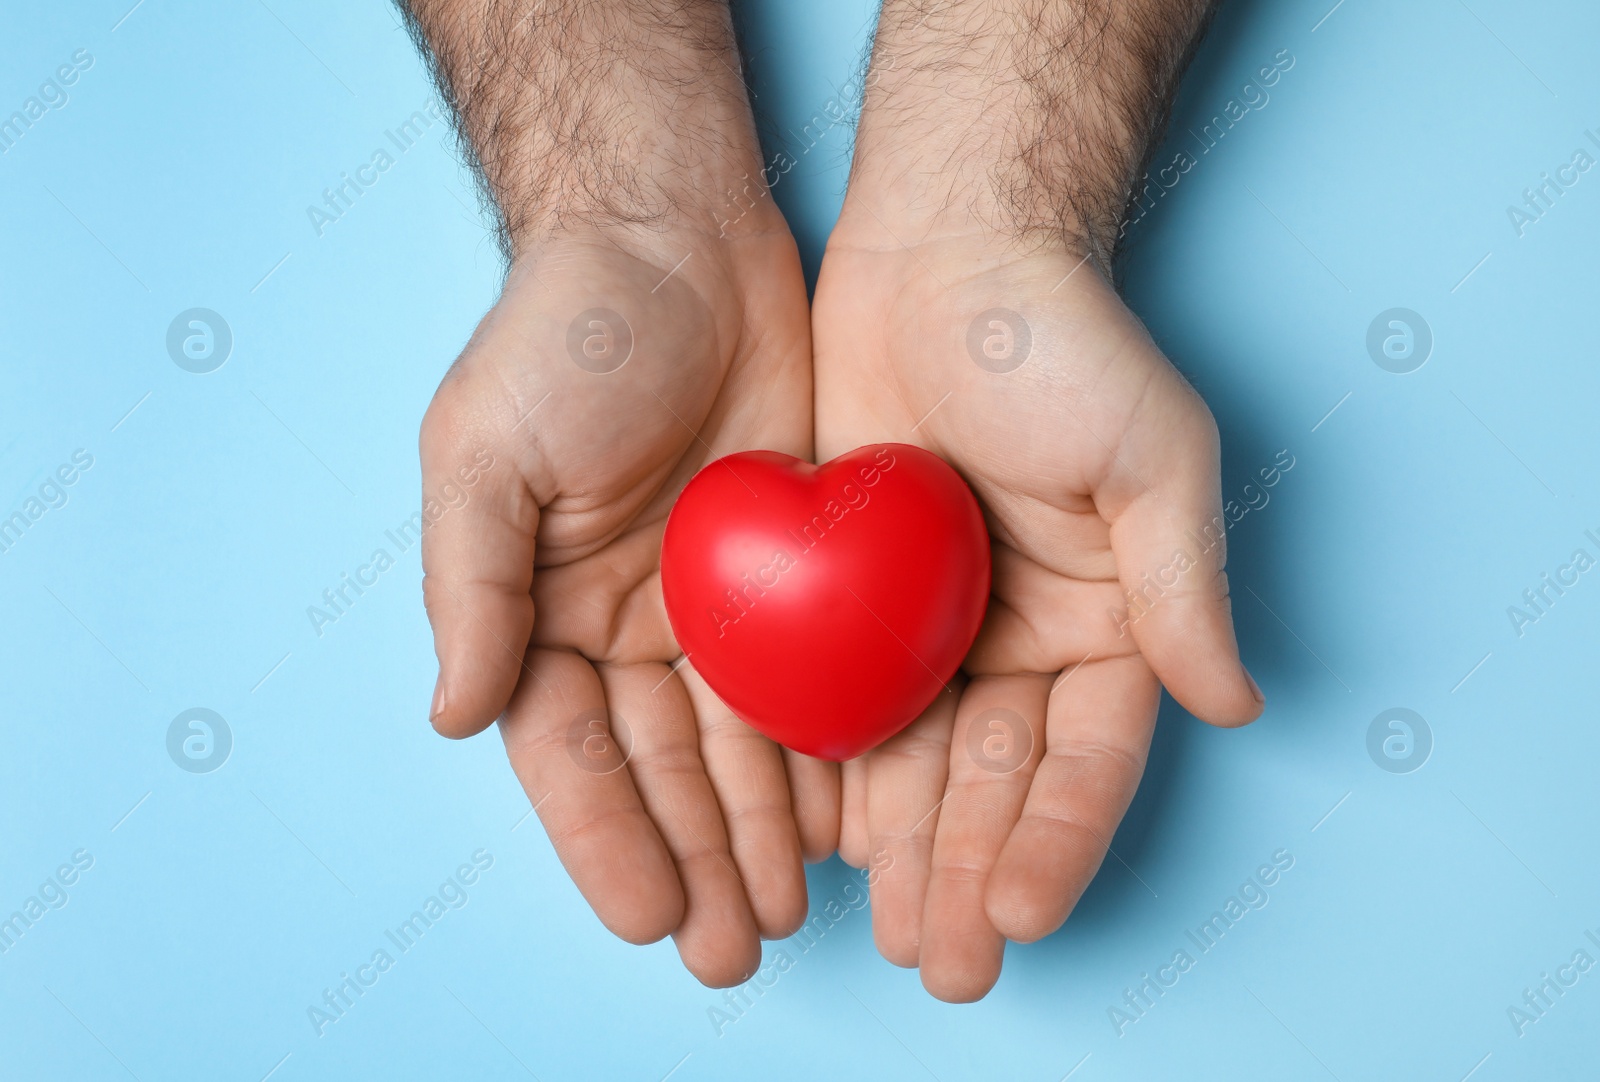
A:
(612, 368)
(1097, 466)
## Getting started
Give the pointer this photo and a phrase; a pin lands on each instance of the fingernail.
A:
(438, 701)
(1255, 688)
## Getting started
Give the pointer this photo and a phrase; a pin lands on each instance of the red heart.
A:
(826, 605)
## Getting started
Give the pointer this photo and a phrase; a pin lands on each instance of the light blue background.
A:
(179, 572)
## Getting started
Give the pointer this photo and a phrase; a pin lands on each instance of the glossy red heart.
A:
(826, 605)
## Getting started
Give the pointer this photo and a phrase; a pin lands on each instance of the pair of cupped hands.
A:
(1096, 465)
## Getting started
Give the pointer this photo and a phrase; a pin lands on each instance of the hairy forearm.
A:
(1032, 117)
(631, 112)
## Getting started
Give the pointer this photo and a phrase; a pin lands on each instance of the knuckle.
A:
(576, 832)
(725, 726)
(526, 738)
(700, 858)
(666, 759)
(1095, 759)
(907, 844)
(763, 821)
(914, 747)
(964, 869)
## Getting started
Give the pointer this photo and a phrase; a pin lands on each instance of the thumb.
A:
(1170, 544)
(479, 522)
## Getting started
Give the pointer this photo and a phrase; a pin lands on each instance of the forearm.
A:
(1032, 117)
(628, 113)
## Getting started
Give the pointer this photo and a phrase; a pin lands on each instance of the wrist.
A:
(579, 116)
(633, 264)
(1023, 119)
(640, 194)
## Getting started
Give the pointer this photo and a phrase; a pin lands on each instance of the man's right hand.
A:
(647, 327)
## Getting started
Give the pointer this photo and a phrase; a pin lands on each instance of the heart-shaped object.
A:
(826, 605)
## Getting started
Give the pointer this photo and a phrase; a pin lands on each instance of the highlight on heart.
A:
(827, 605)
(852, 494)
